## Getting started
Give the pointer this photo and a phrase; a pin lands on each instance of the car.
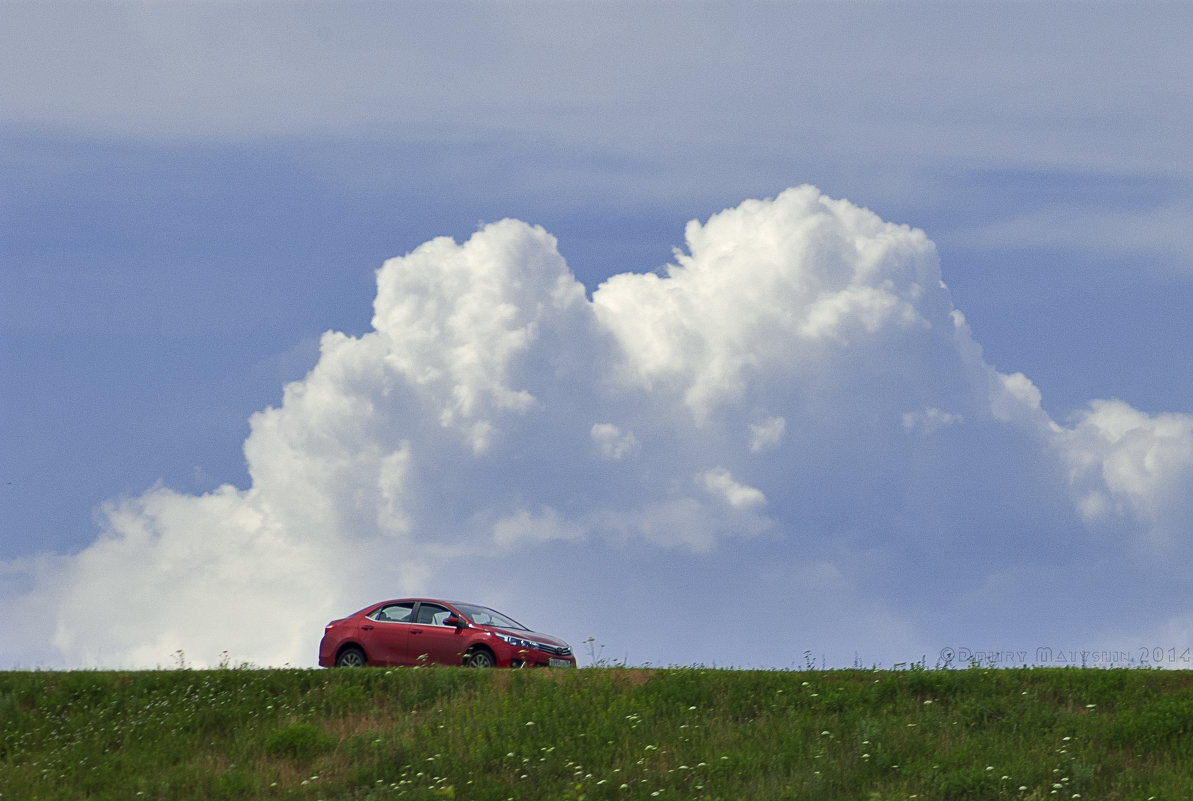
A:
(417, 631)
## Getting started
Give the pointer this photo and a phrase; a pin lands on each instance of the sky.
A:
(734, 334)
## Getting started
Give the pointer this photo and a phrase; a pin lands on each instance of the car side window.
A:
(393, 613)
(432, 614)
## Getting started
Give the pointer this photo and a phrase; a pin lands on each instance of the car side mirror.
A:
(455, 620)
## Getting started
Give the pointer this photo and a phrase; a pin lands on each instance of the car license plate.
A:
(555, 662)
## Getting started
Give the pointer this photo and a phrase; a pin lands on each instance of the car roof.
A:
(426, 600)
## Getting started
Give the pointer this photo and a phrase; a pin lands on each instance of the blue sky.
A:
(191, 195)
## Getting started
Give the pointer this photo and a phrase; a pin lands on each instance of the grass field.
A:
(597, 733)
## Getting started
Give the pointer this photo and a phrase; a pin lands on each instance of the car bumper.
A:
(527, 658)
(327, 653)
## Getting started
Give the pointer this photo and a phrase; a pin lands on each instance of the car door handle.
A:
(367, 628)
(416, 631)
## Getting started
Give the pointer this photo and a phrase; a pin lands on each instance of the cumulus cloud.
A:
(793, 414)
(612, 442)
(766, 288)
(718, 482)
(1126, 463)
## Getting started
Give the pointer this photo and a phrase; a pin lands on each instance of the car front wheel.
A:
(479, 658)
(351, 657)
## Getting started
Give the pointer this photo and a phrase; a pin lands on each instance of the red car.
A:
(416, 631)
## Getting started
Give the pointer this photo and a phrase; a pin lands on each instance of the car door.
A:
(386, 633)
(432, 640)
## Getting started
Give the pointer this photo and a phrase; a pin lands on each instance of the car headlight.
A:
(517, 642)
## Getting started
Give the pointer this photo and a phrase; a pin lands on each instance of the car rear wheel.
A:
(479, 658)
(351, 657)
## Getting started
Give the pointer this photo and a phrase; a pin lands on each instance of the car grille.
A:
(551, 649)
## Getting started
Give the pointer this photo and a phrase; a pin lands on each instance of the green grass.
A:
(597, 733)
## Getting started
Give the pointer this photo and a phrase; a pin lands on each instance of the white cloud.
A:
(1014, 398)
(197, 575)
(463, 447)
(612, 442)
(766, 288)
(524, 527)
(929, 420)
(720, 483)
(454, 320)
(767, 435)
(1124, 462)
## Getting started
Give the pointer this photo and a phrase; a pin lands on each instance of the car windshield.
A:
(484, 616)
